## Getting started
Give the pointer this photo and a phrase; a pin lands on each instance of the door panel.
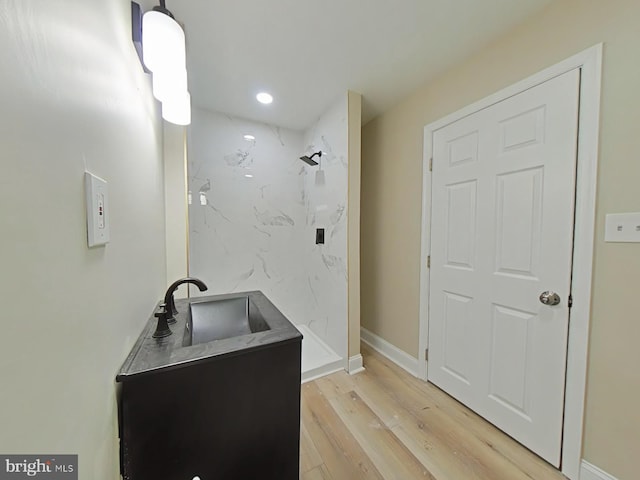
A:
(457, 341)
(461, 225)
(510, 359)
(503, 190)
(518, 222)
(523, 130)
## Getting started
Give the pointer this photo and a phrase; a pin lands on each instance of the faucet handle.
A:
(162, 328)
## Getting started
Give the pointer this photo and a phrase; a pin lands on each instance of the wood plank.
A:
(342, 383)
(532, 465)
(343, 457)
(309, 456)
(318, 473)
(475, 442)
(385, 423)
(497, 440)
(429, 451)
(388, 454)
(446, 442)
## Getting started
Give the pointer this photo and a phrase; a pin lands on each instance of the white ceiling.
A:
(309, 52)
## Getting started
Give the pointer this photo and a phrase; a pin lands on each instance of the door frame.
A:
(590, 63)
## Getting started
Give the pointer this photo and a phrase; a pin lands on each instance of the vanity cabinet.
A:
(230, 415)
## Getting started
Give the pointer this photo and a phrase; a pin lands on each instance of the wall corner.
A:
(354, 121)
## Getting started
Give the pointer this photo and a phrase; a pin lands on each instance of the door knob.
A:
(549, 298)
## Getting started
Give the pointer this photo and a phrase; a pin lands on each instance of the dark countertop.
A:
(150, 355)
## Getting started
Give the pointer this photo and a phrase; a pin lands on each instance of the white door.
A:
(503, 190)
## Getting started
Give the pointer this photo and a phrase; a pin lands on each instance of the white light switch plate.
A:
(622, 227)
(97, 210)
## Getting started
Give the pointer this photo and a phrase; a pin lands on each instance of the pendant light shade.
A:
(164, 54)
(177, 109)
(167, 83)
(163, 44)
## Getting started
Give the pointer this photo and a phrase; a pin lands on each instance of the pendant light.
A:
(164, 54)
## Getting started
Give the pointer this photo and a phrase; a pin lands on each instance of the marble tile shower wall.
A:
(325, 188)
(253, 213)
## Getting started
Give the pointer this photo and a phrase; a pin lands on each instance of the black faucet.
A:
(167, 310)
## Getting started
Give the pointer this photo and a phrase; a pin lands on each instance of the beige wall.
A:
(354, 120)
(175, 202)
(73, 97)
(391, 199)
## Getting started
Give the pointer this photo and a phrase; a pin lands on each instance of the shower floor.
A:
(318, 359)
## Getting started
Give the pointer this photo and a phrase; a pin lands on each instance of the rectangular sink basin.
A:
(219, 319)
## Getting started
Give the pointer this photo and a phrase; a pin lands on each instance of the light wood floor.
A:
(385, 424)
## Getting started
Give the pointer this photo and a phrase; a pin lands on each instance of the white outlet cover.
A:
(97, 202)
(622, 227)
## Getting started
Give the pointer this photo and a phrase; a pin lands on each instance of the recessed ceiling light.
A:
(249, 138)
(264, 97)
(248, 175)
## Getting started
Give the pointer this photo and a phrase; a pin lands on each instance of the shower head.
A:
(309, 159)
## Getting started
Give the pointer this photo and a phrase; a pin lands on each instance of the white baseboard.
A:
(591, 472)
(355, 364)
(393, 353)
(323, 371)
